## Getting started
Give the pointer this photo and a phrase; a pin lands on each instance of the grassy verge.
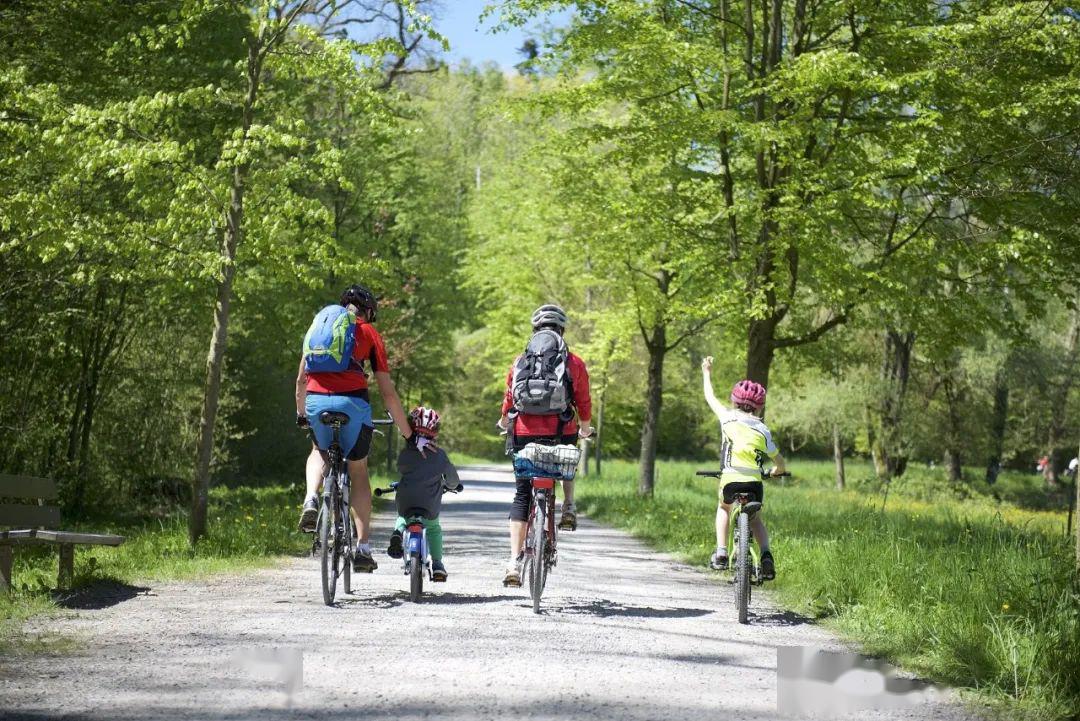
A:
(248, 528)
(973, 593)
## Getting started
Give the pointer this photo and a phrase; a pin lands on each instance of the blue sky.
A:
(459, 22)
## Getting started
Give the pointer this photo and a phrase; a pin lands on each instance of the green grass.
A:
(973, 593)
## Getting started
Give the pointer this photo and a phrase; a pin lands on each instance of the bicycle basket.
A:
(555, 461)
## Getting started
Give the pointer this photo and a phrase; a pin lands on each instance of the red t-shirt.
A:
(530, 425)
(368, 347)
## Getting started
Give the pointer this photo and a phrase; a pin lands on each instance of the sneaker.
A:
(768, 568)
(718, 562)
(309, 515)
(438, 571)
(362, 562)
(513, 573)
(395, 550)
(568, 521)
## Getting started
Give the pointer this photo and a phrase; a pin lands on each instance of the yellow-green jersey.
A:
(747, 446)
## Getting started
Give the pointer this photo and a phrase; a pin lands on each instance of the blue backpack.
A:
(328, 345)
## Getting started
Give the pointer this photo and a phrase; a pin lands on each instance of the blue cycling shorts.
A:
(353, 433)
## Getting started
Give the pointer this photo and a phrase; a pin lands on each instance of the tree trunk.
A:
(954, 397)
(600, 430)
(760, 350)
(1076, 527)
(1060, 403)
(998, 420)
(838, 456)
(657, 347)
(215, 358)
(889, 456)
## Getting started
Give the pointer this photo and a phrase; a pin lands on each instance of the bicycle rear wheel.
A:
(743, 568)
(416, 577)
(327, 554)
(347, 551)
(536, 560)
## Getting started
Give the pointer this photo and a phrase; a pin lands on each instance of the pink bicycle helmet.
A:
(425, 421)
(748, 393)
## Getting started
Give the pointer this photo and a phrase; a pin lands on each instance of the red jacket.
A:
(368, 347)
(531, 425)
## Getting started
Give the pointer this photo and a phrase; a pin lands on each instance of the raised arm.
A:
(710, 397)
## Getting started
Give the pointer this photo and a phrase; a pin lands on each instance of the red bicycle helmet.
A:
(748, 393)
(425, 421)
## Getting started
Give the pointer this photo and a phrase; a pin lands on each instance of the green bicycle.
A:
(745, 561)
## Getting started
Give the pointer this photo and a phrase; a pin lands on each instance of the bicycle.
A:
(543, 465)
(334, 536)
(745, 560)
(417, 556)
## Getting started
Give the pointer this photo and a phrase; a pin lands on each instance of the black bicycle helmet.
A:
(361, 297)
(549, 315)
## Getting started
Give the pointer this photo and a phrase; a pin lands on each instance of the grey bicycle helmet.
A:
(549, 315)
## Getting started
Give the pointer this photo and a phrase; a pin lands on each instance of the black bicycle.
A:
(335, 536)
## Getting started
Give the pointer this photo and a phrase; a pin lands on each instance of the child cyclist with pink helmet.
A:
(747, 445)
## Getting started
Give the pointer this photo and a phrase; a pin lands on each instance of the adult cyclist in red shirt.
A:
(347, 391)
(546, 428)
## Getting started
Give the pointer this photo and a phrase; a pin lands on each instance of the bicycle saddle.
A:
(333, 418)
(752, 507)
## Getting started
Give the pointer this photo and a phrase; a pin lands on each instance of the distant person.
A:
(420, 490)
(747, 444)
(1074, 464)
(331, 378)
(547, 390)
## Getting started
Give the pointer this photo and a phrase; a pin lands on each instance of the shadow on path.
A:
(98, 595)
(608, 609)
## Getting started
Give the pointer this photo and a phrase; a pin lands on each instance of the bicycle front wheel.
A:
(416, 577)
(537, 564)
(327, 554)
(743, 567)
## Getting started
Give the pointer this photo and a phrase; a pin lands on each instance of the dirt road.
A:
(627, 634)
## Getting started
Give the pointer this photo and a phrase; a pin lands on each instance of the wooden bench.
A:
(35, 524)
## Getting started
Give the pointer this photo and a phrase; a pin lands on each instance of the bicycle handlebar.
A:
(764, 474)
(394, 486)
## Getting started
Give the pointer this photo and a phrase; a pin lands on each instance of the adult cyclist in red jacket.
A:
(546, 429)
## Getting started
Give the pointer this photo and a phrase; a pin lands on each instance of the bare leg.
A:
(360, 482)
(517, 537)
(314, 471)
(567, 494)
(722, 511)
(757, 526)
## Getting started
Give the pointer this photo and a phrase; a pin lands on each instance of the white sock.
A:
(311, 497)
(364, 548)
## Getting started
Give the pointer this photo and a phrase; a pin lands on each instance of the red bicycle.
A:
(543, 465)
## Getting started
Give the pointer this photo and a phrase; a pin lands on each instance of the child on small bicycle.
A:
(747, 444)
(424, 469)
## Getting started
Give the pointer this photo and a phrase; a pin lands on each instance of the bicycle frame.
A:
(414, 540)
(543, 493)
(733, 517)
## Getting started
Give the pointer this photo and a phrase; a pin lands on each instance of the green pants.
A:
(434, 535)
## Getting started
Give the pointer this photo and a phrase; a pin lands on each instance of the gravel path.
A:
(627, 634)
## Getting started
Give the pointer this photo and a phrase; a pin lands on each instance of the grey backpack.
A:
(541, 382)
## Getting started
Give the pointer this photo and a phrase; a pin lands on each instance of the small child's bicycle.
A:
(417, 557)
(745, 561)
